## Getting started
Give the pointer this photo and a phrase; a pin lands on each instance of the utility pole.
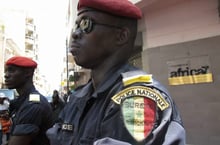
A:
(67, 68)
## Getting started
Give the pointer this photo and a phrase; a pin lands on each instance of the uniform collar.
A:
(109, 80)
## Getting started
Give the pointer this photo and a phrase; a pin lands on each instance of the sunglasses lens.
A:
(86, 25)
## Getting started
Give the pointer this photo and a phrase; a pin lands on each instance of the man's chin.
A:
(9, 87)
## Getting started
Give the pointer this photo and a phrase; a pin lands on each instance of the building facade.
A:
(181, 41)
(18, 36)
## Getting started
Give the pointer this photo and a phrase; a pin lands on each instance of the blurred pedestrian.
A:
(31, 112)
(65, 97)
(5, 121)
(120, 104)
(68, 96)
(57, 106)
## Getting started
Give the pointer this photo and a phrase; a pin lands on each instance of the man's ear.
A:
(29, 72)
(123, 36)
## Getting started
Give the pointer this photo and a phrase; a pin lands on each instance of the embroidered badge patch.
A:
(139, 115)
(141, 91)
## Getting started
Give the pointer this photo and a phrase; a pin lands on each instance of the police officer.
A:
(30, 112)
(121, 104)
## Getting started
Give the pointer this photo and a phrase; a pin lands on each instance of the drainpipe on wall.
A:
(219, 8)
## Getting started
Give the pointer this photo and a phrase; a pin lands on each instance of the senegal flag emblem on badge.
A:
(139, 115)
(139, 104)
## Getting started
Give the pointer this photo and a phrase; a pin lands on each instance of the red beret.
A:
(21, 61)
(116, 7)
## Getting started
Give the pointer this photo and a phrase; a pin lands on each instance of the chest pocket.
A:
(67, 137)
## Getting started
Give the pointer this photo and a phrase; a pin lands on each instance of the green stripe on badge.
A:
(128, 114)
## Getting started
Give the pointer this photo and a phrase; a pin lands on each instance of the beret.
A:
(116, 7)
(21, 61)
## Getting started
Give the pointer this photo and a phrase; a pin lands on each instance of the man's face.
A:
(55, 99)
(15, 76)
(94, 44)
(55, 96)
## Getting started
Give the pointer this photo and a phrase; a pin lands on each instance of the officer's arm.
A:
(20, 140)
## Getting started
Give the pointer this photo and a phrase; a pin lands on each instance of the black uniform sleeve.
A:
(28, 121)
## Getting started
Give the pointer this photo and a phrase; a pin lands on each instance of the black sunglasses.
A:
(86, 25)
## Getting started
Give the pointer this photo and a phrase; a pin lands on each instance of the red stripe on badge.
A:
(149, 115)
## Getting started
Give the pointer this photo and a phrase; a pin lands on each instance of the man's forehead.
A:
(84, 10)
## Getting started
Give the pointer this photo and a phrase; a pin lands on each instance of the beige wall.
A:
(198, 103)
(175, 21)
(177, 29)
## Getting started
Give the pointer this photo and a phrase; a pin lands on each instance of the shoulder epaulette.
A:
(135, 77)
(34, 97)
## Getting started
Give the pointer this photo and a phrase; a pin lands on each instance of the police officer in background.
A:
(30, 112)
(121, 104)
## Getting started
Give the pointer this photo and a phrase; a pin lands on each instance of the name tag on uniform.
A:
(67, 127)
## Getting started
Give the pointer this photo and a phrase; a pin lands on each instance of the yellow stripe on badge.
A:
(137, 78)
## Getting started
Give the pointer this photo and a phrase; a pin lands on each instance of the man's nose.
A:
(6, 75)
(76, 34)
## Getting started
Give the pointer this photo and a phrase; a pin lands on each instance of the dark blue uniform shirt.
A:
(92, 115)
(31, 115)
